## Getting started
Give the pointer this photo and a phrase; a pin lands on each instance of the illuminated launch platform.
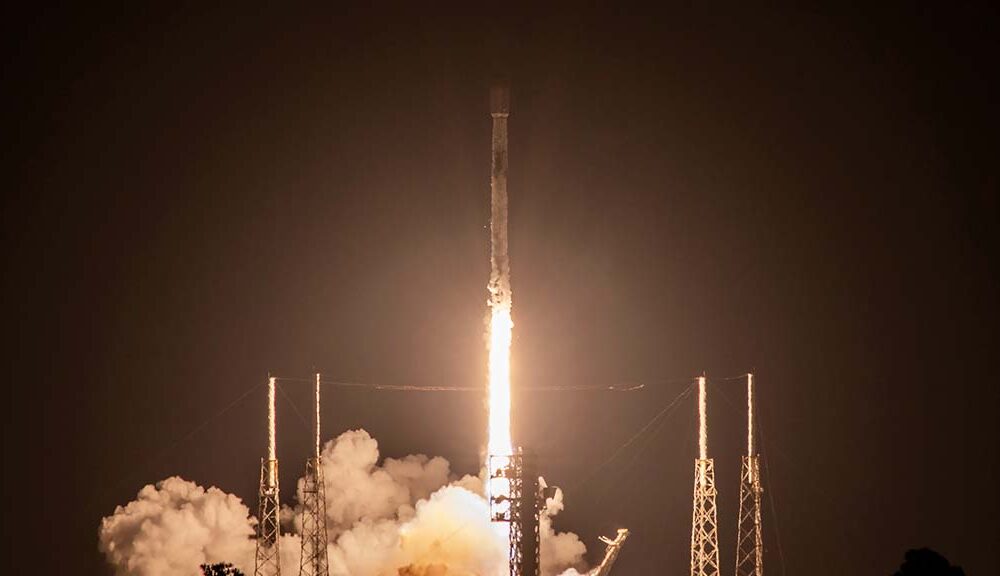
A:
(518, 506)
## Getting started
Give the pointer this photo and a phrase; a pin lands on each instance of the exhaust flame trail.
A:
(501, 331)
(702, 421)
(500, 447)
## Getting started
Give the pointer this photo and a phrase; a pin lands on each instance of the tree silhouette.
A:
(220, 569)
(926, 562)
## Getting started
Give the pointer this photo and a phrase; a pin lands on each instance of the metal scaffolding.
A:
(267, 561)
(749, 542)
(749, 538)
(314, 561)
(704, 525)
(520, 508)
(611, 553)
(704, 521)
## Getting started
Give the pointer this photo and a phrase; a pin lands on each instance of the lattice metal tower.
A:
(314, 553)
(268, 561)
(520, 508)
(704, 522)
(749, 538)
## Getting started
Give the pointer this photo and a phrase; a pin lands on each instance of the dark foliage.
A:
(926, 562)
(220, 569)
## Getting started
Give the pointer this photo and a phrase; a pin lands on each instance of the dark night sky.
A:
(201, 197)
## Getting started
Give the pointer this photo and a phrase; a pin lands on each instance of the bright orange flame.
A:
(501, 329)
(500, 446)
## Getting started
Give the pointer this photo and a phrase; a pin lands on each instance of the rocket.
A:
(499, 286)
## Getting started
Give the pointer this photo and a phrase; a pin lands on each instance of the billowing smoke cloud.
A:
(408, 516)
(173, 527)
(358, 489)
(560, 550)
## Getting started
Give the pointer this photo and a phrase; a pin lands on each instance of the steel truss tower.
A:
(520, 508)
(268, 561)
(314, 553)
(704, 521)
(749, 538)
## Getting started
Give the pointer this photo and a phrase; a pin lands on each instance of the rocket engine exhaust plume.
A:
(501, 332)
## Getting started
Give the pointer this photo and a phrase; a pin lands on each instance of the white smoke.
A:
(358, 489)
(173, 527)
(560, 551)
(408, 516)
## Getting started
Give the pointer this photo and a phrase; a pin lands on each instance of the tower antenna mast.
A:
(267, 560)
(314, 561)
(704, 523)
(749, 539)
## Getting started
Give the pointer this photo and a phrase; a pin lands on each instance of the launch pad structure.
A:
(614, 546)
(267, 560)
(704, 520)
(749, 536)
(519, 508)
(313, 560)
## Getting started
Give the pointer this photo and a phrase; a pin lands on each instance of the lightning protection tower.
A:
(267, 562)
(749, 539)
(314, 554)
(704, 525)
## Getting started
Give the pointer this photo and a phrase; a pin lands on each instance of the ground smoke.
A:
(407, 517)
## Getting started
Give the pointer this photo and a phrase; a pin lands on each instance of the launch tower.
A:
(520, 508)
(749, 539)
(314, 560)
(267, 562)
(704, 522)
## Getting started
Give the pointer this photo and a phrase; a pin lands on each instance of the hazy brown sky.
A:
(205, 195)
